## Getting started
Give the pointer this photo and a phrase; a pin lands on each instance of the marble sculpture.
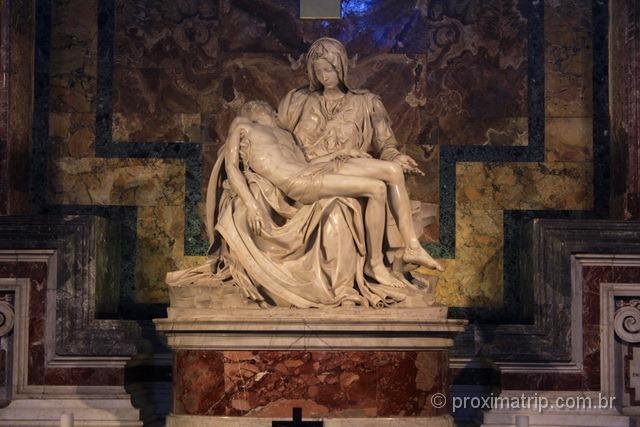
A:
(308, 207)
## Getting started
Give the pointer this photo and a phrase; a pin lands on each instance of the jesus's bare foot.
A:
(382, 275)
(421, 257)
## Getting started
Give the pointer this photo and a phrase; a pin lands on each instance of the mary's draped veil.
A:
(332, 51)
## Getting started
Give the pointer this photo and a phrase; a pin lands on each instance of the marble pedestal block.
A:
(105, 411)
(355, 367)
(560, 409)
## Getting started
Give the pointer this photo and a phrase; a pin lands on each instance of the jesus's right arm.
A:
(236, 178)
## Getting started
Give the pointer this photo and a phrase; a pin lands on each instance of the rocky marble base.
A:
(323, 383)
(194, 421)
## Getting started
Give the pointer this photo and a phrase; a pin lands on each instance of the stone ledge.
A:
(291, 329)
(306, 317)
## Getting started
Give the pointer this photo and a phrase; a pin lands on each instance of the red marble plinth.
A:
(324, 383)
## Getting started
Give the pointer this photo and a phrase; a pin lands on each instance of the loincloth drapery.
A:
(305, 187)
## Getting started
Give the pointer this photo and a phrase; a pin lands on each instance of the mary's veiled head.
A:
(332, 51)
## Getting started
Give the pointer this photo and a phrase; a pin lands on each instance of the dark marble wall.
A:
(494, 100)
(625, 113)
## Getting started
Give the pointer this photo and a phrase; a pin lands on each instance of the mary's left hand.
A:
(408, 164)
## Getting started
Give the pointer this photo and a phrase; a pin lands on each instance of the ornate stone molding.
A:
(6, 318)
(72, 246)
(626, 322)
(38, 396)
(623, 323)
(23, 386)
(552, 341)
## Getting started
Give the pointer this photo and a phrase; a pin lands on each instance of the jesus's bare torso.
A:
(272, 153)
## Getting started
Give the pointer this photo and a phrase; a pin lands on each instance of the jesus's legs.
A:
(399, 202)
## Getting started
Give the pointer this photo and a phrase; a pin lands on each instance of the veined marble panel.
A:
(74, 59)
(474, 277)
(624, 115)
(247, 76)
(159, 126)
(426, 188)
(172, 35)
(568, 58)
(484, 191)
(152, 104)
(524, 185)
(401, 82)
(568, 139)
(160, 245)
(324, 383)
(160, 249)
(166, 70)
(72, 134)
(99, 181)
(477, 73)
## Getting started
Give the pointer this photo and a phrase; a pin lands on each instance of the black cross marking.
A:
(297, 421)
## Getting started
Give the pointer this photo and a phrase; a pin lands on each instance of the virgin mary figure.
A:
(329, 115)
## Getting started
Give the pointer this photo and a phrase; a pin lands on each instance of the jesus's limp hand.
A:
(256, 220)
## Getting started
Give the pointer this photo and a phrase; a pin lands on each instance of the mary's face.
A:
(326, 74)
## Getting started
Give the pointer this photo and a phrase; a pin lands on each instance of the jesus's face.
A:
(326, 74)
